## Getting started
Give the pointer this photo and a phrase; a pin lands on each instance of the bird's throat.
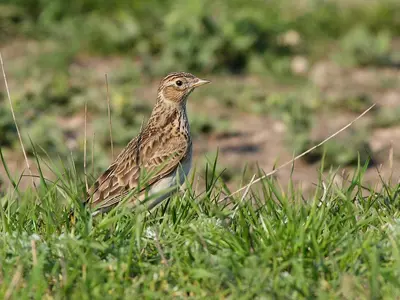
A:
(167, 113)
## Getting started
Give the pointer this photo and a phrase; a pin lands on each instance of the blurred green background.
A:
(285, 75)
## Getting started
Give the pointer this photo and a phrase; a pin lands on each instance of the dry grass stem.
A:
(14, 283)
(94, 135)
(109, 119)
(163, 258)
(300, 155)
(34, 252)
(391, 160)
(244, 195)
(15, 120)
(85, 150)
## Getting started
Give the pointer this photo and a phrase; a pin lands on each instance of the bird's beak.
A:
(200, 82)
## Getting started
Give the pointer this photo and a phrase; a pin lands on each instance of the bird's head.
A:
(176, 87)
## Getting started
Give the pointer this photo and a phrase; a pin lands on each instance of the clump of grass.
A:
(339, 242)
(387, 117)
(361, 47)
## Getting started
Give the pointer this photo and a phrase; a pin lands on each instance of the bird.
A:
(161, 153)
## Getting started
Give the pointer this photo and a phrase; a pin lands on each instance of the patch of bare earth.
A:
(258, 140)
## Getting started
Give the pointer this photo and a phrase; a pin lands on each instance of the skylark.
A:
(162, 150)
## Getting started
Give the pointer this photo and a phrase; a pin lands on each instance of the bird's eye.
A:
(179, 82)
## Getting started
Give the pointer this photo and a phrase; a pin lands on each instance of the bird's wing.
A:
(155, 157)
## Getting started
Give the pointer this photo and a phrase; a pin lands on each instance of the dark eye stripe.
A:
(173, 77)
(177, 75)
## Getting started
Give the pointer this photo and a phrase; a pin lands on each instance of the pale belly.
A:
(175, 179)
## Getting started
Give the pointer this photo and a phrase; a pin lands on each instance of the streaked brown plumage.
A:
(163, 150)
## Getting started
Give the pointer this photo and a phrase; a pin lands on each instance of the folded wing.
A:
(148, 154)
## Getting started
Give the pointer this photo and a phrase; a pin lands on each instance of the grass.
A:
(340, 242)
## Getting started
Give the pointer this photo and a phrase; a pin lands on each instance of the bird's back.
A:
(155, 154)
